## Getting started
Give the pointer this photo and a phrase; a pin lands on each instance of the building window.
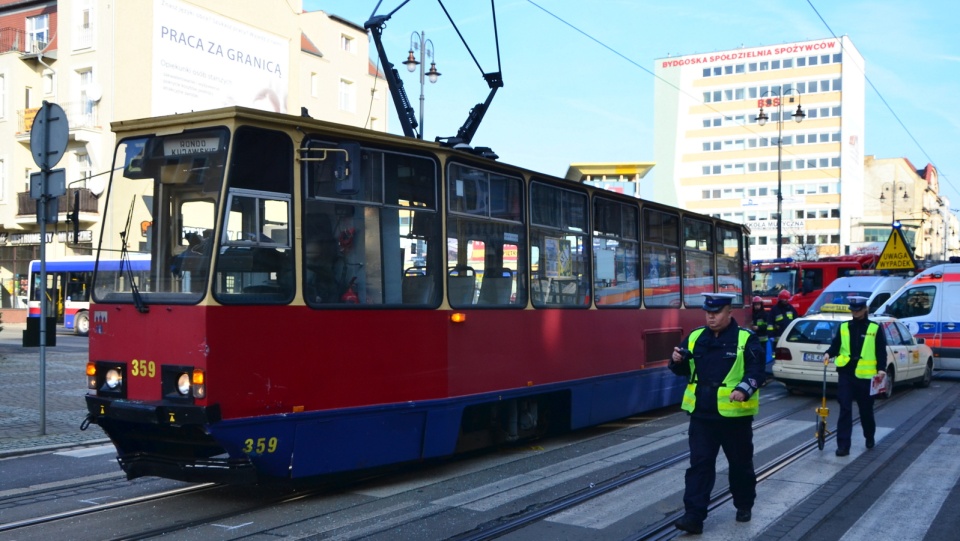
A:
(84, 167)
(834, 239)
(315, 84)
(83, 29)
(38, 33)
(87, 106)
(346, 43)
(706, 72)
(48, 86)
(787, 63)
(348, 98)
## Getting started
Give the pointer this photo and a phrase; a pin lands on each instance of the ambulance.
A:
(929, 305)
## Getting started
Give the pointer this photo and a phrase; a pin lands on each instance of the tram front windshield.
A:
(162, 203)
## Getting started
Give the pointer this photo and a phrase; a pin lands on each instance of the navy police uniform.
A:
(716, 365)
(856, 367)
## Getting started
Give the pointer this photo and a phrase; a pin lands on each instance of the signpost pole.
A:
(48, 142)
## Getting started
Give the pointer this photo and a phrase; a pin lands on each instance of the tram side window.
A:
(560, 247)
(730, 262)
(698, 271)
(486, 243)
(661, 259)
(378, 242)
(255, 261)
(615, 252)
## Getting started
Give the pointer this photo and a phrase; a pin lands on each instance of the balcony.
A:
(16, 39)
(89, 209)
(83, 118)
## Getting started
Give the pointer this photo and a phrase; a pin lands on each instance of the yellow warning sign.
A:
(896, 254)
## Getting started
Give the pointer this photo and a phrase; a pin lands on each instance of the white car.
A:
(798, 357)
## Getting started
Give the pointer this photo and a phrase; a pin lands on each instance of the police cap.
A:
(857, 302)
(713, 302)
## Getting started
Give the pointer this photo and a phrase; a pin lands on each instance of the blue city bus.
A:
(68, 287)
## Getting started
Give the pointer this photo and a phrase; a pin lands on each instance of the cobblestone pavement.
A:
(21, 421)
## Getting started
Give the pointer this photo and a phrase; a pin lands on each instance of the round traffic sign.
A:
(49, 135)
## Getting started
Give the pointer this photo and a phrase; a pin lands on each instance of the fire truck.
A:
(804, 280)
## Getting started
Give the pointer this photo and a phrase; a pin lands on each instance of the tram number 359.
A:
(259, 446)
(140, 368)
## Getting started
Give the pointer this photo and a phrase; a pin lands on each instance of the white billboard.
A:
(202, 60)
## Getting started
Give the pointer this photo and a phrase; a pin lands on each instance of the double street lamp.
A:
(776, 99)
(425, 47)
(893, 198)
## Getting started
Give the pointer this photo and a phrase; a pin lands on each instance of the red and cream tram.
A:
(324, 299)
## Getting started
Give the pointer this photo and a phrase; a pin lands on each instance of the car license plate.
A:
(813, 357)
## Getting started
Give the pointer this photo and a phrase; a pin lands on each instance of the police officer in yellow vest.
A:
(860, 351)
(724, 367)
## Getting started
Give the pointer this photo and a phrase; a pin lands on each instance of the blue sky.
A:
(567, 98)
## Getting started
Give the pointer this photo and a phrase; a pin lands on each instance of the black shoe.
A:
(689, 523)
(743, 515)
(870, 443)
(843, 452)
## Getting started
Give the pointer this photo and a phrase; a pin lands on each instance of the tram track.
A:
(499, 527)
(490, 529)
(663, 529)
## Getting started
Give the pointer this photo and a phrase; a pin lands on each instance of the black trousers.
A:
(849, 389)
(707, 437)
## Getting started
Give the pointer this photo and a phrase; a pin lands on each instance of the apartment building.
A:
(104, 61)
(713, 156)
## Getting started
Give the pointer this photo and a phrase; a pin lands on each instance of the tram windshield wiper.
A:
(126, 264)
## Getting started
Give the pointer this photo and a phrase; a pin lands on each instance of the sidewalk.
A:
(20, 416)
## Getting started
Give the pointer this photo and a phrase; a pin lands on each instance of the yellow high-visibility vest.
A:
(725, 406)
(867, 365)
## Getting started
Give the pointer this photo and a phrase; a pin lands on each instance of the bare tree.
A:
(803, 251)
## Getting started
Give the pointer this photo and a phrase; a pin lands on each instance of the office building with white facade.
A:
(714, 157)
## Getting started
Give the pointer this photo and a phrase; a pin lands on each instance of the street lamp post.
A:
(777, 101)
(418, 42)
(893, 199)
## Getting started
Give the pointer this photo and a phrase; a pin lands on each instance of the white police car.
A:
(798, 355)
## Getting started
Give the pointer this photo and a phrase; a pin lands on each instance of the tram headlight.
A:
(183, 384)
(113, 379)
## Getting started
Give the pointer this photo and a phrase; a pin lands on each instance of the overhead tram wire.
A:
(941, 174)
(697, 99)
(882, 99)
